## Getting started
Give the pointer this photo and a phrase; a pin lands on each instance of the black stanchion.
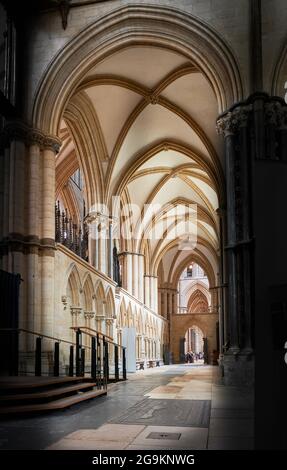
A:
(124, 365)
(83, 355)
(78, 352)
(117, 373)
(94, 359)
(56, 359)
(106, 359)
(98, 362)
(38, 362)
(71, 362)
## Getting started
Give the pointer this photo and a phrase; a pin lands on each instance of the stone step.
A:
(20, 383)
(37, 396)
(59, 404)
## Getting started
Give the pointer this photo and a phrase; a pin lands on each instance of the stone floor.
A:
(172, 407)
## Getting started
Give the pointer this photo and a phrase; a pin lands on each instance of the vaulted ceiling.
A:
(142, 125)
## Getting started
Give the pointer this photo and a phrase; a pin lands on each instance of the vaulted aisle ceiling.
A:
(142, 125)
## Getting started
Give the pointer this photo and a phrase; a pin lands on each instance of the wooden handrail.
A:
(109, 339)
(41, 335)
(91, 329)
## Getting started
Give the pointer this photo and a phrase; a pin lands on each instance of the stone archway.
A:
(171, 28)
(181, 323)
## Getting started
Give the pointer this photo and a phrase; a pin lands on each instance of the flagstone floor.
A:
(171, 407)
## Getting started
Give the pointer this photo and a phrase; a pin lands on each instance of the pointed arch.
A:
(130, 24)
(100, 300)
(74, 286)
(88, 293)
(110, 305)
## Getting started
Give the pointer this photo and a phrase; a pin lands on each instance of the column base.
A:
(238, 369)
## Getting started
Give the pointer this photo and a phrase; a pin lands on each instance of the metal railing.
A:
(70, 234)
(115, 354)
(98, 361)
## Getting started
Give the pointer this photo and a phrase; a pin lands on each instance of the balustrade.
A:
(70, 234)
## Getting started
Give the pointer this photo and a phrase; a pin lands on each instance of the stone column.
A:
(102, 245)
(129, 272)
(170, 302)
(164, 304)
(15, 212)
(5, 212)
(51, 147)
(223, 317)
(33, 321)
(75, 312)
(141, 278)
(228, 126)
(87, 339)
(110, 251)
(142, 347)
(92, 239)
(135, 279)
(147, 290)
(153, 293)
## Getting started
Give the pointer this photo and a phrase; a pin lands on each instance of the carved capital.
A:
(99, 220)
(52, 143)
(276, 114)
(230, 123)
(18, 130)
(89, 315)
(76, 310)
(15, 130)
(35, 137)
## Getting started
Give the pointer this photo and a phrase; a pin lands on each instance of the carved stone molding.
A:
(230, 123)
(152, 99)
(18, 130)
(64, 300)
(76, 310)
(276, 114)
(97, 219)
(89, 315)
(52, 143)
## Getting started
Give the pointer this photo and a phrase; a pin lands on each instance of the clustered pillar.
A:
(28, 223)
(253, 130)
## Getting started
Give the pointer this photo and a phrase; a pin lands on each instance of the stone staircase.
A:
(26, 395)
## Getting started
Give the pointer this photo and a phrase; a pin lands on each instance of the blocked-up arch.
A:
(88, 293)
(100, 300)
(110, 305)
(197, 302)
(74, 286)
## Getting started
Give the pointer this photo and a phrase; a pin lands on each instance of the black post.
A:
(98, 362)
(124, 365)
(78, 352)
(94, 359)
(56, 359)
(83, 351)
(117, 375)
(106, 350)
(38, 363)
(71, 362)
